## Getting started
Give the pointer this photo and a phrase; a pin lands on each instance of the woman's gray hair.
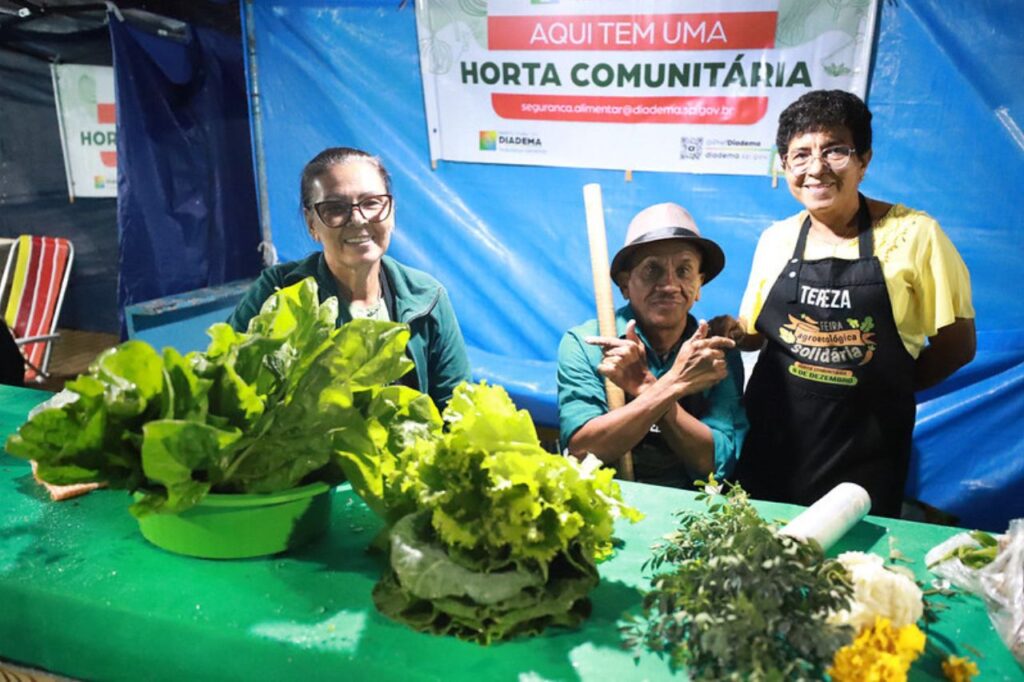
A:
(333, 156)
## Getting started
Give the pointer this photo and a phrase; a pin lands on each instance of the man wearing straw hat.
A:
(683, 418)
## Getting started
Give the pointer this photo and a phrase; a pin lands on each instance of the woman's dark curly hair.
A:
(331, 157)
(822, 110)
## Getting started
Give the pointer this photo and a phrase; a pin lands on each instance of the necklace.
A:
(369, 311)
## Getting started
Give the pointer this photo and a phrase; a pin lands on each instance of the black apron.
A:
(831, 398)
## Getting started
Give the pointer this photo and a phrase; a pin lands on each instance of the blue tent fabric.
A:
(968, 456)
(509, 242)
(186, 208)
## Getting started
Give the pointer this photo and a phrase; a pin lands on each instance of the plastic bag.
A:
(952, 569)
(1000, 583)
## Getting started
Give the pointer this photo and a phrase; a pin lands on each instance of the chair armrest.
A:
(36, 339)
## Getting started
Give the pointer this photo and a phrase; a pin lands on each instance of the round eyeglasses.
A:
(337, 213)
(836, 158)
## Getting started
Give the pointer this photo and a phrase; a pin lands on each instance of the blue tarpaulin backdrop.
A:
(510, 242)
(186, 209)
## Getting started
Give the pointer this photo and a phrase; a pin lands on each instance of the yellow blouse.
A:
(927, 280)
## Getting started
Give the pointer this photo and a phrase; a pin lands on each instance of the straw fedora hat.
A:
(668, 222)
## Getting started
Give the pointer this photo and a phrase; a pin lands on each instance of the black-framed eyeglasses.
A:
(338, 213)
(835, 157)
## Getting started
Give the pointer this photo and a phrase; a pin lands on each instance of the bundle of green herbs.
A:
(257, 412)
(490, 535)
(734, 600)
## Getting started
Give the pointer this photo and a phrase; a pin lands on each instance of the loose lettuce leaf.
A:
(185, 394)
(51, 431)
(425, 569)
(185, 458)
(80, 441)
(295, 312)
(290, 331)
(57, 431)
(484, 417)
(438, 596)
(233, 398)
(132, 374)
(396, 418)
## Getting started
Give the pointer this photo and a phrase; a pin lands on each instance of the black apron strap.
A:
(791, 273)
(865, 239)
(865, 246)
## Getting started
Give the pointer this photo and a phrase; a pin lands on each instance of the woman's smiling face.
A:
(820, 187)
(359, 243)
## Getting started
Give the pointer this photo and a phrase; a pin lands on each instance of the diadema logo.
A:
(514, 140)
(501, 141)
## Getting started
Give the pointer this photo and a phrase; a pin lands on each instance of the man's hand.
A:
(624, 361)
(701, 362)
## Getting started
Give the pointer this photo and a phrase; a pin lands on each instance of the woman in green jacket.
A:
(348, 208)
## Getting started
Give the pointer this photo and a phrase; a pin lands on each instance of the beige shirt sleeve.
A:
(943, 284)
(773, 248)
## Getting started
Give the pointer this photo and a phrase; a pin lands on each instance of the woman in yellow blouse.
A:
(841, 300)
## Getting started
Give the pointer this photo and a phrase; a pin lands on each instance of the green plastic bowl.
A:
(242, 526)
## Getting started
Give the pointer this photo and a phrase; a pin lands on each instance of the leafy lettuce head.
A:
(494, 496)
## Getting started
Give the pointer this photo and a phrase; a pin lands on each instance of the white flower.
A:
(851, 559)
(878, 591)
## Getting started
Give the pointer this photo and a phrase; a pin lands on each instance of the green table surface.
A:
(83, 594)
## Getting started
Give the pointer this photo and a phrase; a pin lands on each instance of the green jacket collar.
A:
(415, 292)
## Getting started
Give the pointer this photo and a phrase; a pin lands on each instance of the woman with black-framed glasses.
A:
(855, 304)
(349, 210)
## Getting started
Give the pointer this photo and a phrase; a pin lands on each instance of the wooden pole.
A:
(598, 239)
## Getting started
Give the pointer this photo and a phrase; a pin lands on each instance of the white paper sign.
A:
(666, 85)
(86, 114)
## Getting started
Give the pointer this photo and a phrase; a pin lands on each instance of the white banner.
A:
(666, 85)
(85, 112)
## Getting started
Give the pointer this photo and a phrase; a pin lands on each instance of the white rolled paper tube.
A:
(830, 517)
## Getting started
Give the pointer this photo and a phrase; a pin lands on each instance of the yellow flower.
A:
(959, 669)
(910, 642)
(880, 653)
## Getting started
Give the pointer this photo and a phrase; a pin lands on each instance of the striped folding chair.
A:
(32, 289)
